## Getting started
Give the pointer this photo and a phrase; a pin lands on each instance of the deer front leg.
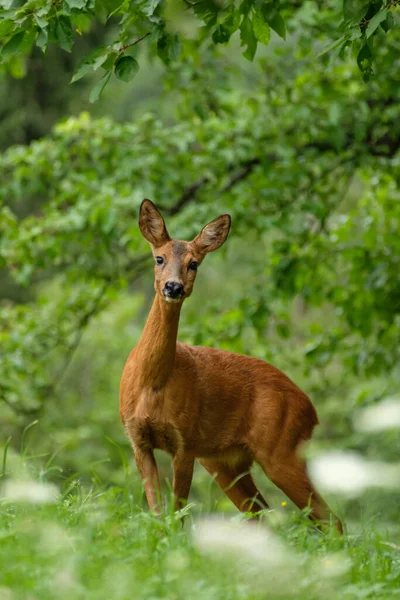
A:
(183, 474)
(147, 467)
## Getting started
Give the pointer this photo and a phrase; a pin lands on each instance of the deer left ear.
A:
(213, 235)
(152, 224)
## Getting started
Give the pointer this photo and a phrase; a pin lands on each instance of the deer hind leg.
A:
(237, 484)
(289, 473)
(183, 474)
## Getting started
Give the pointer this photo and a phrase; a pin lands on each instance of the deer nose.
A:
(173, 289)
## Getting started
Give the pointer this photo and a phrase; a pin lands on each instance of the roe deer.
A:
(225, 410)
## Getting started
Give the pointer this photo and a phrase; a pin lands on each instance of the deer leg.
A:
(289, 473)
(183, 474)
(237, 484)
(148, 471)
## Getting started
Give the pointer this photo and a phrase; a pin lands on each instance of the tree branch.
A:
(188, 195)
(123, 48)
(81, 326)
(242, 173)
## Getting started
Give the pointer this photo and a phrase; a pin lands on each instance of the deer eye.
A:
(193, 266)
(159, 260)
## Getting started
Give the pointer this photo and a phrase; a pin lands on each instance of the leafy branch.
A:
(26, 26)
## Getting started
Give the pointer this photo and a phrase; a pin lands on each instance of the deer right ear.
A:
(152, 224)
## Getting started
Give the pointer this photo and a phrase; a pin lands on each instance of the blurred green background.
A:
(305, 157)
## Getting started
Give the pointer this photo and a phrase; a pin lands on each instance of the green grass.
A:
(98, 544)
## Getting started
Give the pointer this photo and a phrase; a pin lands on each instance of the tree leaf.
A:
(109, 63)
(168, 47)
(81, 72)
(261, 29)
(126, 68)
(278, 25)
(175, 47)
(90, 62)
(6, 27)
(375, 22)
(388, 22)
(78, 4)
(42, 39)
(332, 46)
(246, 6)
(98, 89)
(354, 10)
(40, 21)
(232, 21)
(364, 61)
(148, 7)
(64, 33)
(248, 38)
(14, 44)
(221, 35)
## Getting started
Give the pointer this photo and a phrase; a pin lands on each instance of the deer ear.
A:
(152, 224)
(213, 235)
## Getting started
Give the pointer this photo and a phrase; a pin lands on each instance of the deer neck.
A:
(156, 348)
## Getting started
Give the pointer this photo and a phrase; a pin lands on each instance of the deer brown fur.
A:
(222, 409)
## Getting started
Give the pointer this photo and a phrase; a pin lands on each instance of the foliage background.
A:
(300, 150)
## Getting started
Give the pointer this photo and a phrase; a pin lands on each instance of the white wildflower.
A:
(5, 593)
(379, 417)
(31, 492)
(348, 473)
(238, 539)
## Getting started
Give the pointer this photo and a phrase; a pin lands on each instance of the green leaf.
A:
(221, 35)
(81, 72)
(278, 25)
(98, 89)
(169, 47)
(375, 22)
(248, 38)
(246, 7)
(30, 37)
(175, 47)
(78, 4)
(388, 23)
(126, 68)
(270, 9)
(64, 34)
(364, 61)
(148, 7)
(105, 8)
(6, 27)
(109, 63)
(14, 44)
(336, 52)
(42, 39)
(261, 29)
(82, 22)
(232, 21)
(207, 10)
(332, 46)
(40, 21)
(91, 62)
(355, 10)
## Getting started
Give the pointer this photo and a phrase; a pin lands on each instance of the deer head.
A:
(176, 261)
